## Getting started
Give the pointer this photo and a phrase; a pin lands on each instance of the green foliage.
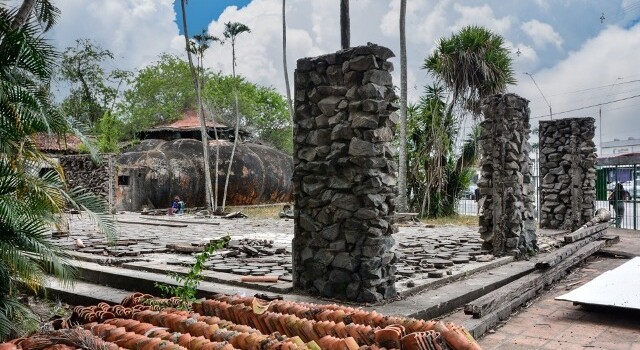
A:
(437, 173)
(92, 88)
(472, 64)
(161, 92)
(158, 94)
(233, 29)
(187, 287)
(110, 131)
(31, 202)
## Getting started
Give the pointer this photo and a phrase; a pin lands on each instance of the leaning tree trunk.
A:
(345, 24)
(23, 14)
(203, 125)
(284, 63)
(402, 167)
(237, 128)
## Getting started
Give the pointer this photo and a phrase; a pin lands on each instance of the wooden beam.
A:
(511, 294)
(585, 232)
(151, 223)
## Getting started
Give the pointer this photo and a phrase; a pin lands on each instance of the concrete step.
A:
(145, 282)
(83, 293)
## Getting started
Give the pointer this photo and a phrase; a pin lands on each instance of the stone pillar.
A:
(507, 223)
(567, 172)
(344, 175)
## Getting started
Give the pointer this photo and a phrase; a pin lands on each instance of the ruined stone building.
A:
(168, 162)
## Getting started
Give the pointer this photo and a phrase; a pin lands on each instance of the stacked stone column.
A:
(344, 175)
(568, 172)
(507, 222)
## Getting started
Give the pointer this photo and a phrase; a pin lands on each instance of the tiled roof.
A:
(189, 121)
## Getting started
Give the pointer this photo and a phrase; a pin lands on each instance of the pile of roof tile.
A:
(224, 322)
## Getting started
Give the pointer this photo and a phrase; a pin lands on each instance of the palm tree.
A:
(402, 167)
(46, 13)
(472, 64)
(345, 24)
(200, 44)
(438, 173)
(203, 124)
(231, 32)
(31, 203)
(284, 62)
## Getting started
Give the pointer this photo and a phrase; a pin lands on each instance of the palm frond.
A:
(10, 312)
(96, 208)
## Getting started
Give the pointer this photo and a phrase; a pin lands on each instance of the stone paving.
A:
(263, 247)
(551, 324)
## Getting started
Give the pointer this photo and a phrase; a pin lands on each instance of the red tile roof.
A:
(189, 121)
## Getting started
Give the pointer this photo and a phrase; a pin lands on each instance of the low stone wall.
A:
(567, 172)
(81, 171)
(507, 222)
(344, 175)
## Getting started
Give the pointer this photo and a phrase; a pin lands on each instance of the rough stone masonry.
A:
(507, 221)
(82, 171)
(344, 175)
(568, 172)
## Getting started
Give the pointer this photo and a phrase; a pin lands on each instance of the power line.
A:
(586, 107)
(594, 88)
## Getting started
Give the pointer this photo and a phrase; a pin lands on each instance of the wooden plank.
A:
(511, 292)
(154, 218)
(585, 232)
(151, 223)
(557, 256)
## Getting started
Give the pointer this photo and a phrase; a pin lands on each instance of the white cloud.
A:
(585, 77)
(481, 15)
(137, 31)
(542, 33)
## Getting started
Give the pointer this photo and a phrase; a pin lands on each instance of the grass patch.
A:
(259, 212)
(458, 220)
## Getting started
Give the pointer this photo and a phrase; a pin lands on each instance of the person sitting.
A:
(177, 206)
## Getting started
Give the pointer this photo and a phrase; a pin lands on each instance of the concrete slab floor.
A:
(443, 251)
(629, 245)
(550, 324)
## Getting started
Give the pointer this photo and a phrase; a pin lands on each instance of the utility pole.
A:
(545, 99)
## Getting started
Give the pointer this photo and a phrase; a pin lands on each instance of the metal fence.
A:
(618, 189)
(621, 173)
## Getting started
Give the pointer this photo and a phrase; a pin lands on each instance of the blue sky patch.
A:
(202, 12)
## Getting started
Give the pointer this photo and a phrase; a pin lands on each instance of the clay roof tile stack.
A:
(231, 322)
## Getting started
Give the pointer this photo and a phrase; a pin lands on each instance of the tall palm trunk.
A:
(237, 127)
(345, 24)
(402, 168)
(23, 14)
(284, 63)
(203, 125)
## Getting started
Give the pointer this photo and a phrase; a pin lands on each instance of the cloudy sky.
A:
(576, 59)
